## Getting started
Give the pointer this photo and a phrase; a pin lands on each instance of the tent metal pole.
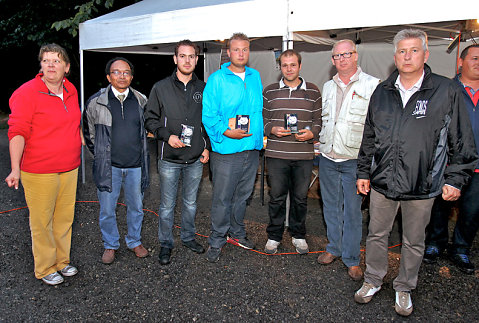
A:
(82, 101)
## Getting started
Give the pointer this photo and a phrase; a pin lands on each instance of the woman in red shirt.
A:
(45, 146)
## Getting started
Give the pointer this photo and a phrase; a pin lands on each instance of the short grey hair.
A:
(349, 41)
(410, 33)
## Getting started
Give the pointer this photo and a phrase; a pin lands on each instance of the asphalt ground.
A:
(243, 286)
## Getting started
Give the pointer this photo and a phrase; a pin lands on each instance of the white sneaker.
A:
(403, 305)
(301, 245)
(53, 279)
(271, 246)
(69, 271)
(366, 293)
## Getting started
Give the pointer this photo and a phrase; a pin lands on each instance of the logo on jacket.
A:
(197, 97)
(420, 110)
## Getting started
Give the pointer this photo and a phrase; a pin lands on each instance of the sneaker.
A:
(271, 246)
(403, 305)
(213, 254)
(243, 242)
(69, 271)
(301, 245)
(366, 293)
(53, 279)
(164, 257)
(462, 262)
(431, 254)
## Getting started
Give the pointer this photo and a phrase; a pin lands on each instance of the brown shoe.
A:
(140, 251)
(355, 272)
(108, 256)
(326, 258)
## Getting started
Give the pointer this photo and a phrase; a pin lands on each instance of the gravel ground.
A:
(243, 286)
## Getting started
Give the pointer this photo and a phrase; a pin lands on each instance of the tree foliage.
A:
(84, 12)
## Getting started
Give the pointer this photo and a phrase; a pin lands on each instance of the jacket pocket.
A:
(355, 135)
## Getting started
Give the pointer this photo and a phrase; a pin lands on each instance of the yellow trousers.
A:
(51, 203)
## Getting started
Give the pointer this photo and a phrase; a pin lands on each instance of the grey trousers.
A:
(415, 217)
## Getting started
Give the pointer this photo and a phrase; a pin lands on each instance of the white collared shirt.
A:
(407, 93)
(116, 92)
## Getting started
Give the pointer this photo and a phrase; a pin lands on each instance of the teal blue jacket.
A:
(227, 95)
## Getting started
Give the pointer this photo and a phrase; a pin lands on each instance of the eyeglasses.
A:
(118, 73)
(345, 55)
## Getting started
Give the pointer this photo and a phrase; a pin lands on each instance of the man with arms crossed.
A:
(290, 152)
(173, 115)
(233, 93)
(410, 153)
(345, 104)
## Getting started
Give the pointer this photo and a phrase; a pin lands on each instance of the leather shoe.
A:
(108, 256)
(326, 258)
(193, 245)
(164, 256)
(355, 272)
(140, 251)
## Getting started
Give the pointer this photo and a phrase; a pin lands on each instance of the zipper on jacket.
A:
(51, 94)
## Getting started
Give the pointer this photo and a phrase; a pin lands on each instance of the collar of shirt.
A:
(301, 85)
(406, 94)
(352, 79)
(116, 92)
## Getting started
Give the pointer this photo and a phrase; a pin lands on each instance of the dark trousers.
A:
(285, 176)
(233, 183)
(467, 222)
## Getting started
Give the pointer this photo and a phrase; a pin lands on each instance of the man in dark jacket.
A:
(113, 126)
(416, 124)
(173, 115)
(468, 220)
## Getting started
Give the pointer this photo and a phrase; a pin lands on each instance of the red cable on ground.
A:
(205, 236)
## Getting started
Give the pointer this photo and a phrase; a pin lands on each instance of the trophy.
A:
(186, 134)
(291, 122)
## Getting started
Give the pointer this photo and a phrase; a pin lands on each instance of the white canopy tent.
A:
(311, 26)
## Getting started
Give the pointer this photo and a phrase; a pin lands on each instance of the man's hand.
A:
(363, 186)
(236, 133)
(13, 179)
(175, 142)
(205, 156)
(280, 132)
(304, 135)
(450, 193)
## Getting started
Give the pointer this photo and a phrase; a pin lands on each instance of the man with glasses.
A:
(173, 115)
(289, 151)
(232, 115)
(417, 144)
(113, 126)
(345, 104)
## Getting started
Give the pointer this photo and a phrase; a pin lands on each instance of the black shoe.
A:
(213, 254)
(462, 262)
(193, 245)
(164, 256)
(431, 254)
(243, 242)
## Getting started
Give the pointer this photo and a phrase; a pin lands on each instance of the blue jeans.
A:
(130, 180)
(293, 176)
(233, 183)
(467, 221)
(341, 208)
(169, 178)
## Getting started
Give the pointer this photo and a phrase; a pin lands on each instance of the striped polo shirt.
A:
(305, 102)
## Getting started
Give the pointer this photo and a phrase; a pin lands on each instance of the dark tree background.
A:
(27, 24)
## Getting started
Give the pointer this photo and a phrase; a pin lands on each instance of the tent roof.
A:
(150, 24)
